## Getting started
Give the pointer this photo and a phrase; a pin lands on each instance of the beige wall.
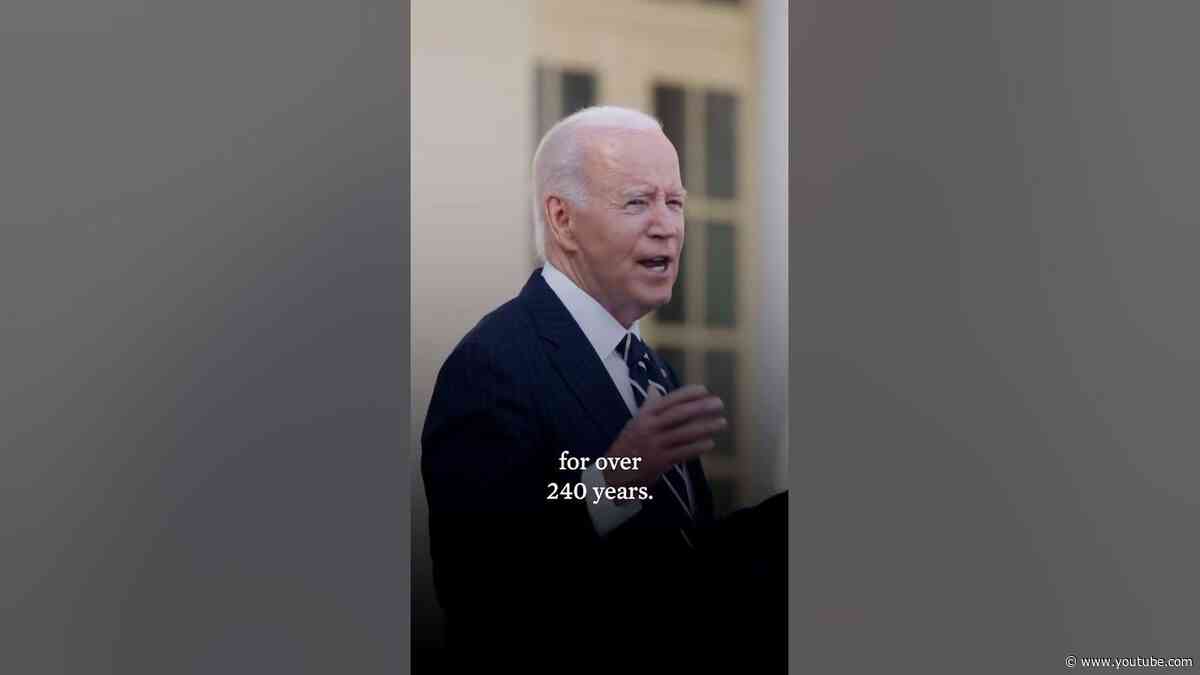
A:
(472, 99)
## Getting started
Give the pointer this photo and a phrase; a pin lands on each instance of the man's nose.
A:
(663, 223)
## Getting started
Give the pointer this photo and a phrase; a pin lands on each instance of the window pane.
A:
(578, 91)
(720, 377)
(673, 311)
(720, 305)
(677, 358)
(669, 109)
(720, 123)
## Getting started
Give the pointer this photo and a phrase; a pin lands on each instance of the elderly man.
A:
(560, 453)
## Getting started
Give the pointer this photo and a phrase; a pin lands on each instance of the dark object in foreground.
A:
(746, 565)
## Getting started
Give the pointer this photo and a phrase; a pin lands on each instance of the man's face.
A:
(629, 232)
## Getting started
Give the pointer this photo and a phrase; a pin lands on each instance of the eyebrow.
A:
(649, 191)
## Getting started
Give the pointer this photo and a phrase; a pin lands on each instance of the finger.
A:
(708, 406)
(681, 395)
(692, 432)
(689, 451)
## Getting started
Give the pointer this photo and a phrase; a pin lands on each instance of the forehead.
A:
(617, 158)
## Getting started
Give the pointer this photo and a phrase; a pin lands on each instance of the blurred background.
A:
(489, 78)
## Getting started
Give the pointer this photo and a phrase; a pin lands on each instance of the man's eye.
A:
(635, 202)
(676, 203)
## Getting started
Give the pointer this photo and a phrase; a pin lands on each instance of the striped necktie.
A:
(645, 377)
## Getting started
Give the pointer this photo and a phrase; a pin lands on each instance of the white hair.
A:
(558, 162)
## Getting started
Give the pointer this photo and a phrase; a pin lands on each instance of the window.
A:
(721, 298)
(558, 92)
(720, 375)
(668, 107)
(720, 121)
(701, 329)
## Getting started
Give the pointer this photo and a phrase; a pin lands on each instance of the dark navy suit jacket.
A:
(511, 567)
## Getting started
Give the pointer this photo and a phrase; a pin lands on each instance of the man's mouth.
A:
(656, 264)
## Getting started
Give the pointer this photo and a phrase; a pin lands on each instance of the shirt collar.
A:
(603, 331)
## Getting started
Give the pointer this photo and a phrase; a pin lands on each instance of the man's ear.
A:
(561, 222)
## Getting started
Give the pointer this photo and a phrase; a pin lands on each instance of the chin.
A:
(655, 301)
(650, 298)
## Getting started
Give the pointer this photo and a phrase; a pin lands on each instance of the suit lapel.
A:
(575, 360)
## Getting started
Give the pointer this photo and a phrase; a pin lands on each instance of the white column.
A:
(770, 468)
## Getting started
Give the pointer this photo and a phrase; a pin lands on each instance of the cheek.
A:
(620, 248)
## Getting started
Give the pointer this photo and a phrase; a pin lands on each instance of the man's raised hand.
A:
(667, 430)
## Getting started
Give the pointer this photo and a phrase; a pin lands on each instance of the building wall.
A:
(471, 110)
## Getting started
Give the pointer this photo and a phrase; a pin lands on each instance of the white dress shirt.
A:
(605, 334)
